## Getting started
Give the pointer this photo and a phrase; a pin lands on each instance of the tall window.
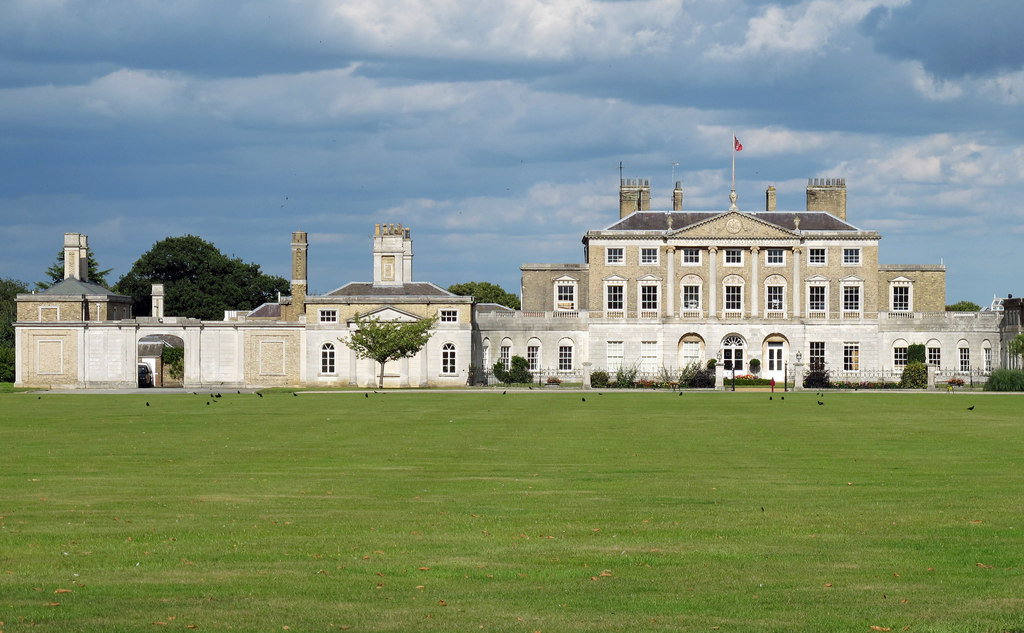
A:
(327, 358)
(816, 355)
(965, 359)
(988, 358)
(691, 353)
(614, 255)
(648, 255)
(448, 359)
(775, 257)
(565, 297)
(899, 357)
(648, 297)
(851, 298)
(533, 357)
(901, 298)
(733, 257)
(648, 356)
(851, 256)
(816, 256)
(565, 358)
(816, 298)
(733, 298)
(506, 357)
(614, 354)
(691, 297)
(691, 255)
(615, 297)
(774, 299)
(851, 357)
(935, 356)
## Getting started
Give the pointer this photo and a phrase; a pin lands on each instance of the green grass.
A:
(532, 511)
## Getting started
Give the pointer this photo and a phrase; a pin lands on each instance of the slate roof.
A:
(659, 220)
(367, 289)
(267, 310)
(71, 286)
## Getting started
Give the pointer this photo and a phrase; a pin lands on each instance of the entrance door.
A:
(776, 369)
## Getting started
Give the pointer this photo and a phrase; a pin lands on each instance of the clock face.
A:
(733, 226)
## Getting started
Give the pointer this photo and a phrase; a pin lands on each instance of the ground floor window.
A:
(565, 358)
(691, 353)
(327, 358)
(506, 357)
(851, 357)
(732, 353)
(899, 357)
(614, 355)
(448, 359)
(935, 356)
(816, 355)
(988, 358)
(533, 357)
(649, 356)
(965, 359)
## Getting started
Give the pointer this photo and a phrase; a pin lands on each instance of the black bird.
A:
(599, 393)
(782, 397)
(820, 403)
(502, 393)
(239, 392)
(680, 393)
(769, 397)
(583, 399)
(217, 396)
(259, 394)
(147, 404)
(970, 408)
(366, 395)
(207, 403)
(295, 394)
(531, 388)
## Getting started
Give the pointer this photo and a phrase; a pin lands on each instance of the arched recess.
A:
(899, 354)
(734, 352)
(774, 352)
(566, 354)
(157, 372)
(533, 353)
(690, 349)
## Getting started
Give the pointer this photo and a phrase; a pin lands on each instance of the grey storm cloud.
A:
(952, 38)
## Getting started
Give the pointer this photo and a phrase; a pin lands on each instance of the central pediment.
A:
(388, 314)
(734, 224)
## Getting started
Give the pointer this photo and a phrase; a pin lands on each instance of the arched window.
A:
(732, 352)
(565, 354)
(448, 359)
(327, 358)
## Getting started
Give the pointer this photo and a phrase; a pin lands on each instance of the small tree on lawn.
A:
(384, 341)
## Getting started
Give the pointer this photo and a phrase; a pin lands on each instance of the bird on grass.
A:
(970, 408)
(502, 393)
(583, 399)
(820, 403)
(147, 404)
(259, 394)
(769, 397)
(680, 393)
(239, 391)
(295, 394)
(366, 395)
(207, 403)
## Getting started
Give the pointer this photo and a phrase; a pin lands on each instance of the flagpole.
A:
(732, 192)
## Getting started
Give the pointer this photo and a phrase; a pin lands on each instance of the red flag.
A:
(736, 144)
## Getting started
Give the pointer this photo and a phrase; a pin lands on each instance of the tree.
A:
(55, 273)
(199, 281)
(9, 289)
(486, 292)
(963, 306)
(385, 341)
(1016, 345)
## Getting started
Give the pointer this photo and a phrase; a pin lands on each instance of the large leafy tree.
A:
(199, 281)
(9, 289)
(55, 273)
(486, 292)
(385, 341)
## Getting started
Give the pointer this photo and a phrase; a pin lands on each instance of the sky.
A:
(495, 130)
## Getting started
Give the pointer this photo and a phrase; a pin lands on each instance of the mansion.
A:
(657, 290)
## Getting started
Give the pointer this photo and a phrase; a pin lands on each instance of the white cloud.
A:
(806, 27)
(929, 86)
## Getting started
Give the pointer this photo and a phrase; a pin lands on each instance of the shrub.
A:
(755, 365)
(915, 353)
(626, 377)
(702, 379)
(6, 364)
(599, 379)
(915, 376)
(1005, 380)
(817, 379)
(518, 371)
(711, 363)
(687, 373)
(174, 359)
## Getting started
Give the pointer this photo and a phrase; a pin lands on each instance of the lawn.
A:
(522, 512)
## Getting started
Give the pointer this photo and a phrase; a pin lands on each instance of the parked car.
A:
(145, 376)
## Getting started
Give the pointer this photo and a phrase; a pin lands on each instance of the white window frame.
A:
(621, 284)
(449, 358)
(851, 356)
(824, 304)
(688, 283)
(533, 357)
(573, 286)
(614, 355)
(899, 356)
(565, 357)
(328, 360)
(687, 357)
(810, 256)
(646, 286)
(816, 351)
(906, 286)
(685, 252)
(733, 281)
(615, 256)
(768, 256)
(963, 359)
(448, 315)
(848, 260)
(934, 355)
(781, 307)
(505, 356)
(657, 256)
(851, 283)
(328, 315)
(649, 356)
(726, 253)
